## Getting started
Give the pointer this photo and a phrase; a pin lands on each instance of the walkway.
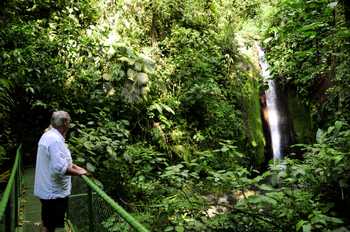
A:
(31, 205)
(31, 218)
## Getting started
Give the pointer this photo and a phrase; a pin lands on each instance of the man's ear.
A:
(66, 122)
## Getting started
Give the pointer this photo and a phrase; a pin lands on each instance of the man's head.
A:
(60, 120)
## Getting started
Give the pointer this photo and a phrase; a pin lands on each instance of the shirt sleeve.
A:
(58, 162)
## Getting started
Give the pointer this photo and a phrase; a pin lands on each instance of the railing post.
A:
(9, 203)
(15, 201)
(119, 210)
(18, 187)
(7, 217)
(91, 212)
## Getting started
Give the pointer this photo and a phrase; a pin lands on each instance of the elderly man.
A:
(54, 167)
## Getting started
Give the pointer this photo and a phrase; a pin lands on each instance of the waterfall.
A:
(274, 119)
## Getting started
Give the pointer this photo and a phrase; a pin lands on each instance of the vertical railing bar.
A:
(9, 203)
(18, 191)
(6, 194)
(13, 206)
(8, 217)
(16, 200)
(91, 212)
(119, 210)
(19, 186)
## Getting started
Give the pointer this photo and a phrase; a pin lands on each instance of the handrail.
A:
(6, 196)
(122, 213)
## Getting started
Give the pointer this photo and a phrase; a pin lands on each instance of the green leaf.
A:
(307, 228)
(338, 158)
(169, 228)
(40, 104)
(165, 121)
(335, 220)
(90, 167)
(87, 145)
(300, 225)
(127, 60)
(266, 187)
(110, 151)
(266, 41)
(179, 229)
(333, 5)
(138, 66)
(5, 83)
(338, 125)
(80, 160)
(254, 144)
(167, 108)
(158, 107)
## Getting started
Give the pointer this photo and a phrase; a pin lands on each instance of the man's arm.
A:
(75, 170)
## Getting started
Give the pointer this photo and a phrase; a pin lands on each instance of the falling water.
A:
(272, 106)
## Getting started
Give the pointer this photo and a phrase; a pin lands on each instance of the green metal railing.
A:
(9, 204)
(92, 210)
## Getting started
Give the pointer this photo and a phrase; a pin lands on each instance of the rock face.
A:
(252, 116)
(299, 118)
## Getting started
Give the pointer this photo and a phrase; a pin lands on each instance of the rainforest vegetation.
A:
(165, 100)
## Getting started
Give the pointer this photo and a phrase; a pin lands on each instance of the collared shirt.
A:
(53, 159)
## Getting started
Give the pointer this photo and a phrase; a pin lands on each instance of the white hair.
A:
(58, 118)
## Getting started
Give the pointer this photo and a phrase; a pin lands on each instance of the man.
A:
(54, 167)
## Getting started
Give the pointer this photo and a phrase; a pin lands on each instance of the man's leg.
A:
(52, 213)
(47, 215)
(44, 229)
(60, 209)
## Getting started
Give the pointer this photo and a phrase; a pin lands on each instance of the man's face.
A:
(67, 125)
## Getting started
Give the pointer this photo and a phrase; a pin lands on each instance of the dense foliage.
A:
(165, 104)
(313, 37)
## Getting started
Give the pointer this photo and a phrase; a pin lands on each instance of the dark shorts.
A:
(53, 211)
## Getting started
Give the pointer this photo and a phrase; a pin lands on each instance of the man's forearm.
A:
(75, 170)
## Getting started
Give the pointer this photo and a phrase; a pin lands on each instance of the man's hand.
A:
(75, 170)
(80, 170)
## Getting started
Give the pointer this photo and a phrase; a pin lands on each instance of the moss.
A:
(299, 115)
(252, 108)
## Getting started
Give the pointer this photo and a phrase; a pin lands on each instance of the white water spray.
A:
(272, 107)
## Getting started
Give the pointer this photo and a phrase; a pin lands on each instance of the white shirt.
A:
(53, 159)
